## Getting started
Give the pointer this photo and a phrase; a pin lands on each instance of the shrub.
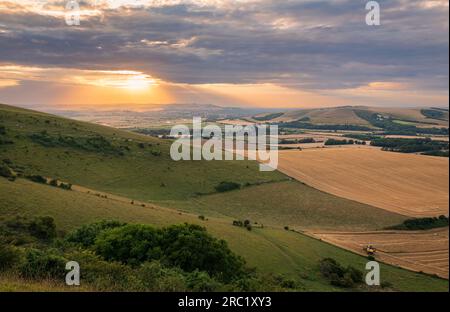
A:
(53, 182)
(37, 179)
(238, 223)
(43, 264)
(157, 277)
(66, 186)
(338, 275)
(87, 234)
(129, 244)
(106, 276)
(422, 224)
(7, 172)
(198, 281)
(8, 256)
(191, 248)
(188, 247)
(43, 228)
(227, 187)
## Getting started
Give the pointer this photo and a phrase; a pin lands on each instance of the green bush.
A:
(40, 264)
(66, 186)
(227, 187)
(129, 244)
(87, 234)
(43, 228)
(156, 277)
(422, 224)
(188, 247)
(7, 172)
(105, 275)
(37, 179)
(191, 248)
(338, 275)
(198, 281)
(8, 256)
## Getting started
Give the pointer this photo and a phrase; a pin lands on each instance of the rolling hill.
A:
(111, 169)
(421, 117)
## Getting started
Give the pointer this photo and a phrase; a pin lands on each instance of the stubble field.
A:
(411, 185)
(421, 251)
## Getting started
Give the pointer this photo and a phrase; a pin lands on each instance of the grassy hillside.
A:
(140, 167)
(268, 249)
(347, 115)
(292, 204)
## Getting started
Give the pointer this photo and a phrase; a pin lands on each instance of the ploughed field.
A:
(421, 251)
(410, 185)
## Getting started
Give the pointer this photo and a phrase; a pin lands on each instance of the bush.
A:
(422, 224)
(129, 244)
(43, 228)
(66, 186)
(37, 179)
(43, 265)
(107, 276)
(201, 282)
(156, 277)
(191, 248)
(188, 247)
(87, 234)
(338, 275)
(227, 187)
(7, 172)
(238, 223)
(8, 256)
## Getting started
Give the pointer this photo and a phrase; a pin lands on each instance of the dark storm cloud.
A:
(304, 44)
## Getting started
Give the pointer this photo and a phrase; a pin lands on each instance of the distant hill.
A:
(422, 117)
(128, 167)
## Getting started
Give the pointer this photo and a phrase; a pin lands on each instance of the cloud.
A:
(306, 45)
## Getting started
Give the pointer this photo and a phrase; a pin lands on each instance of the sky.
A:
(250, 53)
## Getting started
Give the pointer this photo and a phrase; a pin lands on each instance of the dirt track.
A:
(426, 251)
(412, 185)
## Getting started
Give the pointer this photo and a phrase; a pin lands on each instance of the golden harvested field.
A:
(408, 184)
(425, 251)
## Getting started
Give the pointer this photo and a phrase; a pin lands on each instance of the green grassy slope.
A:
(292, 204)
(268, 249)
(58, 148)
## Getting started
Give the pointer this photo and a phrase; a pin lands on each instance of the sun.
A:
(139, 82)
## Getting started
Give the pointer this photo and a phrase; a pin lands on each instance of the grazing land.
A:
(269, 249)
(118, 175)
(411, 185)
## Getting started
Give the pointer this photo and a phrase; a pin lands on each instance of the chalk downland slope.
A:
(140, 167)
(270, 250)
(347, 115)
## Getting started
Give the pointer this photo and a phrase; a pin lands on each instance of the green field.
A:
(139, 167)
(269, 249)
(140, 175)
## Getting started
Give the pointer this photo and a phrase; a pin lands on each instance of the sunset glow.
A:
(231, 53)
